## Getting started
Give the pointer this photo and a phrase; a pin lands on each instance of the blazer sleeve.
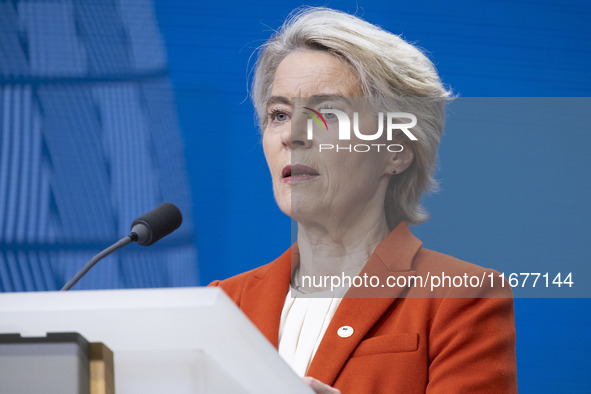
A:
(472, 346)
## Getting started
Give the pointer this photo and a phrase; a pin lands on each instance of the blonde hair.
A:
(388, 69)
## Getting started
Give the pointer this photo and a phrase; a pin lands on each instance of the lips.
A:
(298, 173)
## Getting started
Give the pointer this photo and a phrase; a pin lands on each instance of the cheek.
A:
(274, 153)
(267, 149)
(363, 170)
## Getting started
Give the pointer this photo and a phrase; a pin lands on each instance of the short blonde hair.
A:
(388, 68)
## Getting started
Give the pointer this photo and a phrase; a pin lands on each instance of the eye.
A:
(278, 115)
(327, 115)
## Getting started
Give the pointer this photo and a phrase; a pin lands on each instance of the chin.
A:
(305, 211)
(285, 209)
(283, 201)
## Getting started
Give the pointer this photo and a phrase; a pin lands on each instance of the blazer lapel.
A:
(264, 296)
(362, 308)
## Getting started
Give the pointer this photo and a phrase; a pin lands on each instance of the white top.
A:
(303, 324)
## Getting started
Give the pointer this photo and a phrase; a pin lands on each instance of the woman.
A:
(353, 195)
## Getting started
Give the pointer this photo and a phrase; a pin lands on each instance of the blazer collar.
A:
(265, 293)
(362, 308)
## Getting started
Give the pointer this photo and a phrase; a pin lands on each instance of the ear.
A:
(398, 162)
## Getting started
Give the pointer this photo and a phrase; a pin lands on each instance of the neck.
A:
(336, 253)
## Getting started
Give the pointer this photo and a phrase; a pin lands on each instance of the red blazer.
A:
(399, 345)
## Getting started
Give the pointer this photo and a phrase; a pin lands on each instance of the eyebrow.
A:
(286, 101)
(278, 100)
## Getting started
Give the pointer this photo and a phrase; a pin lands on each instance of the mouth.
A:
(298, 173)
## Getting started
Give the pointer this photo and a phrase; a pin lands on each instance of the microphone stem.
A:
(117, 245)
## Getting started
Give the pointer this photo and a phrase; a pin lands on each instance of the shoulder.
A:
(235, 285)
(274, 271)
(448, 276)
(432, 274)
(427, 259)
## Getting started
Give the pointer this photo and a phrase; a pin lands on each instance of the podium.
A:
(178, 340)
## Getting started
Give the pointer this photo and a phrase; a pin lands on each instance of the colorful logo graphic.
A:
(388, 122)
(315, 117)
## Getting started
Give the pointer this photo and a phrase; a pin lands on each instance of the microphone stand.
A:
(117, 245)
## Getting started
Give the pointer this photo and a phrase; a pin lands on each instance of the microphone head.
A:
(158, 223)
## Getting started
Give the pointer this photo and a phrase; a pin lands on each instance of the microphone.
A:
(145, 230)
(156, 224)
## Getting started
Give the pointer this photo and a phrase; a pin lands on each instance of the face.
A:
(311, 185)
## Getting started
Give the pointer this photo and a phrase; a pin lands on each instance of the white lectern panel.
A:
(179, 340)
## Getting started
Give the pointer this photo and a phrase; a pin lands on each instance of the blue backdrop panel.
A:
(89, 140)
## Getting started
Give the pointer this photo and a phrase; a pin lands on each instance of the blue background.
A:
(526, 200)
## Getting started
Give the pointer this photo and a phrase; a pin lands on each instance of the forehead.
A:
(313, 73)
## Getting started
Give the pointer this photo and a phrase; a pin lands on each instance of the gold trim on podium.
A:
(102, 374)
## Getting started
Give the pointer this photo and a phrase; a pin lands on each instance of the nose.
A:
(295, 136)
